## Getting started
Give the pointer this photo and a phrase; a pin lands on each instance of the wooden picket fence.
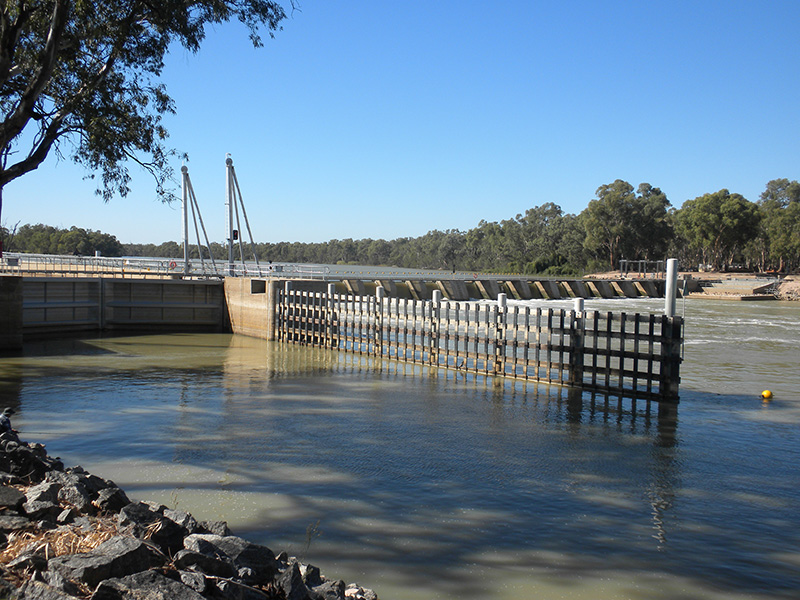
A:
(632, 355)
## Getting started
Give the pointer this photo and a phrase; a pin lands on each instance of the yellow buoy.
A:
(766, 394)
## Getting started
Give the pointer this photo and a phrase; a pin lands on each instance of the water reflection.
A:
(431, 483)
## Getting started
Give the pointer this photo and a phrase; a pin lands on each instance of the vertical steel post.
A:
(229, 200)
(500, 335)
(185, 215)
(380, 294)
(576, 343)
(671, 290)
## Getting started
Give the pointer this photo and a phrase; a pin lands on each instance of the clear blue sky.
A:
(381, 119)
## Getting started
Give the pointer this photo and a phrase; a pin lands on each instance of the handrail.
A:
(135, 266)
(131, 266)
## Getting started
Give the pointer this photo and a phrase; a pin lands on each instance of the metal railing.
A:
(97, 266)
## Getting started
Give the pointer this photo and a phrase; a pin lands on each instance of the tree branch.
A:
(24, 111)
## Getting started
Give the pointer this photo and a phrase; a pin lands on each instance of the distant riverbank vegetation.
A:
(720, 230)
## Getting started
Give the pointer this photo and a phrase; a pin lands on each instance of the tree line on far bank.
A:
(719, 230)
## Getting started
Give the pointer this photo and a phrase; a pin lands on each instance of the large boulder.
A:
(11, 497)
(118, 557)
(72, 492)
(148, 522)
(255, 563)
(292, 584)
(217, 566)
(148, 585)
(37, 590)
(111, 499)
(41, 501)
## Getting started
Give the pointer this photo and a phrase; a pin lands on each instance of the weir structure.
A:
(627, 354)
(402, 315)
(631, 355)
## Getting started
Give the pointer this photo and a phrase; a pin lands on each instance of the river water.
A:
(429, 484)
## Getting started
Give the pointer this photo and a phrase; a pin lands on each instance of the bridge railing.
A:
(66, 265)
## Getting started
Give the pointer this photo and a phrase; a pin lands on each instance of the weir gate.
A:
(632, 355)
(627, 354)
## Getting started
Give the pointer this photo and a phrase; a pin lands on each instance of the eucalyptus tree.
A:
(717, 227)
(779, 241)
(552, 240)
(46, 239)
(621, 223)
(82, 77)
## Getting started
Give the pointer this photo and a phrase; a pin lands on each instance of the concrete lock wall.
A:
(10, 313)
(52, 306)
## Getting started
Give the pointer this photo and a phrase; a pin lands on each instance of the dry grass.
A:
(67, 539)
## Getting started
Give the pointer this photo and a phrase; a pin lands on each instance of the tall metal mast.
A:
(185, 215)
(229, 202)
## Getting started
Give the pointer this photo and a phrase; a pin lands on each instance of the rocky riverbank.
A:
(65, 533)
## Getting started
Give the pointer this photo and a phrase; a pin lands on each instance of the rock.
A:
(36, 590)
(211, 565)
(196, 581)
(11, 497)
(118, 557)
(330, 590)
(21, 460)
(356, 592)
(6, 589)
(111, 499)
(66, 516)
(42, 501)
(214, 527)
(92, 483)
(59, 582)
(259, 559)
(185, 520)
(147, 585)
(291, 582)
(41, 510)
(311, 575)
(28, 562)
(156, 506)
(46, 510)
(13, 522)
(39, 450)
(72, 491)
(146, 523)
(46, 491)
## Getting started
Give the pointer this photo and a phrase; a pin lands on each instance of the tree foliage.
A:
(716, 227)
(87, 73)
(44, 239)
(778, 245)
(622, 223)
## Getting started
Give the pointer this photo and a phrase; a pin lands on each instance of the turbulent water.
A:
(428, 484)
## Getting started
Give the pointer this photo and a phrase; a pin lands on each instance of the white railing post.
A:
(671, 290)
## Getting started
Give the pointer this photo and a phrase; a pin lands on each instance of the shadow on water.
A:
(435, 479)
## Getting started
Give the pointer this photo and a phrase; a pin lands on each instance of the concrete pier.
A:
(488, 288)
